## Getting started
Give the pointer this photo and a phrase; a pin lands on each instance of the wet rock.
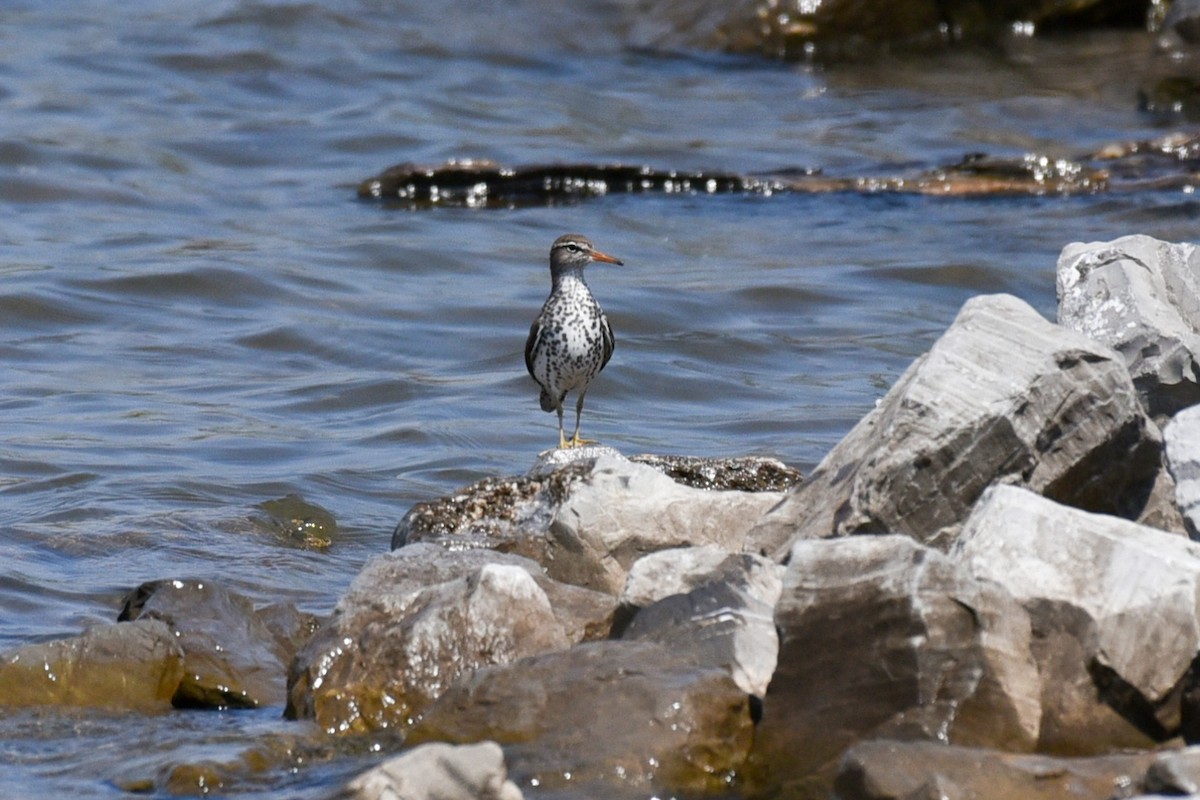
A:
(1140, 296)
(1183, 20)
(885, 770)
(1003, 397)
(297, 521)
(884, 637)
(130, 666)
(716, 605)
(747, 474)
(1173, 773)
(612, 718)
(1139, 586)
(438, 772)
(232, 657)
(417, 618)
(1182, 438)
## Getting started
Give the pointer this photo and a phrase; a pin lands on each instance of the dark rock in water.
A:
(604, 719)
(300, 522)
(234, 656)
(886, 770)
(716, 605)
(130, 666)
(437, 771)
(1183, 19)
(1140, 296)
(748, 474)
(417, 618)
(1003, 396)
(883, 637)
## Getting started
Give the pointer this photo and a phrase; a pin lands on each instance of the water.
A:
(198, 315)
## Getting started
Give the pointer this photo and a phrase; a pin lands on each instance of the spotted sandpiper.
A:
(570, 341)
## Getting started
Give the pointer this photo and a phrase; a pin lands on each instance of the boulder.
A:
(438, 772)
(1140, 296)
(1138, 587)
(716, 605)
(417, 618)
(233, 657)
(881, 636)
(130, 666)
(885, 770)
(1182, 438)
(1003, 397)
(623, 511)
(603, 719)
(587, 514)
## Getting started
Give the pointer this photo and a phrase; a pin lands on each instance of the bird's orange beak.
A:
(606, 258)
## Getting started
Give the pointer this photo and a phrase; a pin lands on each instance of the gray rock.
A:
(130, 666)
(232, 656)
(623, 511)
(1140, 296)
(884, 637)
(417, 618)
(1003, 397)
(603, 719)
(438, 772)
(718, 606)
(1182, 438)
(881, 770)
(1140, 588)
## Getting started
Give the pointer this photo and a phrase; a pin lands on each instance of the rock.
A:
(1182, 438)
(130, 666)
(885, 770)
(417, 618)
(438, 772)
(612, 718)
(1140, 588)
(718, 606)
(1173, 773)
(1183, 19)
(623, 511)
(1140, 296)
(746, 474)
(296, 521)
(1003, 397)
(884, 637)
(232, 657)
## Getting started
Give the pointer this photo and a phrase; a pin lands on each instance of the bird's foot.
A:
(575, 441)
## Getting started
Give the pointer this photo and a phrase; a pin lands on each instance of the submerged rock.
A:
(416, 619)
(438, 772)
(300, 522)
(884, 637)
(234, 656)
(1140, 296)
(130, 666)
(1003, 397)
(603, 719)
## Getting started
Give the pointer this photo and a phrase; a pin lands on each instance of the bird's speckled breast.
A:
(572, 347)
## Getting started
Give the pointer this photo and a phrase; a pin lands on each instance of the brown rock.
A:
(604, 718)
(133, 666)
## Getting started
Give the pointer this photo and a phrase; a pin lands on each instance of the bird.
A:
(571, 340)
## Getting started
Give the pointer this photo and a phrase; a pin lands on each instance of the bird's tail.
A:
(547, 401)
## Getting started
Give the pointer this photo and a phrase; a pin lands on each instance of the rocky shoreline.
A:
(989, 588)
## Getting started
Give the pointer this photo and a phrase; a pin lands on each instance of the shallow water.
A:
(199, 316)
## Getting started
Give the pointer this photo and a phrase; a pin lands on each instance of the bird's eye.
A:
(574, 248)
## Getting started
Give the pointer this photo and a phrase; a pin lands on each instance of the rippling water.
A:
(198, 316)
